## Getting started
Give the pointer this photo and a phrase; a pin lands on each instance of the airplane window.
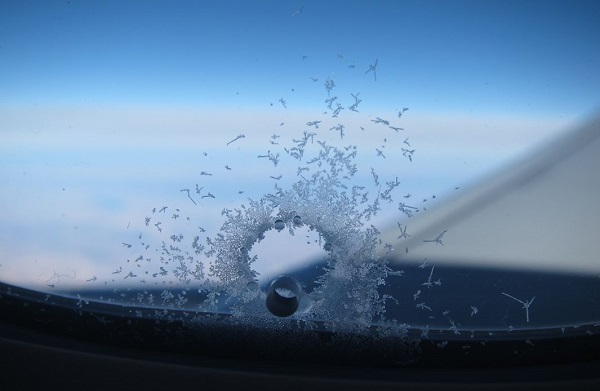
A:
(327, 173)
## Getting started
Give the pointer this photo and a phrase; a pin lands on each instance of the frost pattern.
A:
(346, 296)
(331, 195)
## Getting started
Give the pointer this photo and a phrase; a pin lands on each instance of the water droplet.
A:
(297, 220)
(252, 285)
(327, 247)
(282, 297)
(243, 251)
(279, 225)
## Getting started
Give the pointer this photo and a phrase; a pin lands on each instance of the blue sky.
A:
(110, 108)
(536, 56)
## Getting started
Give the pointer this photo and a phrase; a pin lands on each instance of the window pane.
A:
(415, 166)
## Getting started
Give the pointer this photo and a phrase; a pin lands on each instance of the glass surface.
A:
(420, 166)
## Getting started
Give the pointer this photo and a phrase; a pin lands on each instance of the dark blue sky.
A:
(493, 56)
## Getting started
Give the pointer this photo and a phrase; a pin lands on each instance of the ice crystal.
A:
(330, 195)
